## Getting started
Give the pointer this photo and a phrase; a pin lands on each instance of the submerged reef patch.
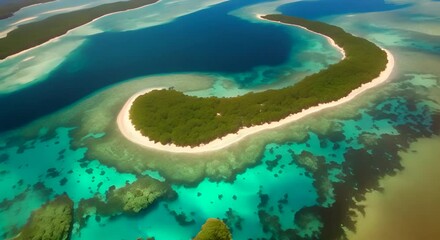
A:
(167, 116)
(214, 229)
(363, 142)
(52, 221)
(131, 199)
(346, 167)
(316, 166)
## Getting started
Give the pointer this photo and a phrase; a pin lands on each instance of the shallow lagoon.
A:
(222, 44)
(366, 133)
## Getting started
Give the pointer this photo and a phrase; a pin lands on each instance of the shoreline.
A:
(55, 39)
(24, 7)
(67, 9)
(22, 21)
(16, 24)
(128, 131)
(329, 39)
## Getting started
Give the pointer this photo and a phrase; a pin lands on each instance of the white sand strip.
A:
(329, 39)
(68, 9)
(128, 130)
(57, 38)
(4, 33)
(22, 21)
(28, 59)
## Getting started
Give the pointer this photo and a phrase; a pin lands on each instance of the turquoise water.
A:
(51, 160)
(221, 43)
(289, 189)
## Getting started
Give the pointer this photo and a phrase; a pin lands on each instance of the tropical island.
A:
(34, 34)
(52, 221)
(167, 119)
(9, 7)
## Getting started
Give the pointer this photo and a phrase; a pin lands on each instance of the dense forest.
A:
(9, 7)
(36, 33)
(168, 116)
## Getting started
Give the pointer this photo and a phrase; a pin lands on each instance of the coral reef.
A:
(138, 195)
(132, 198)
(52, 221)
(214, 229)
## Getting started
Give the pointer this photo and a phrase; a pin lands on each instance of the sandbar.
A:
(22, 21)
(52, 40)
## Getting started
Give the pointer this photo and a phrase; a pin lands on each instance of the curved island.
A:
(165, 119)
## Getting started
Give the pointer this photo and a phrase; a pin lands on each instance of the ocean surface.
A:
(326, 8)
(307, 179)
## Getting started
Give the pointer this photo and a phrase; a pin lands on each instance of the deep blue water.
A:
(318, 9)
(206, 41)
(350, 156)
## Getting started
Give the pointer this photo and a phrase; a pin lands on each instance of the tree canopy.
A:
(168, 116)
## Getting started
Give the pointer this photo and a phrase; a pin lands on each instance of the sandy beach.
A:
(329, 39)
(4, 33)
(22, 21)
(57, 38)
(68, 9)
(128, 130)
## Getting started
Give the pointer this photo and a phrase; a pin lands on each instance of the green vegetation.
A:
(33, 34)
(52, 221)
(9, 7)
(214, 229)
(132, 198)
(138, 195)
(169, 116)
